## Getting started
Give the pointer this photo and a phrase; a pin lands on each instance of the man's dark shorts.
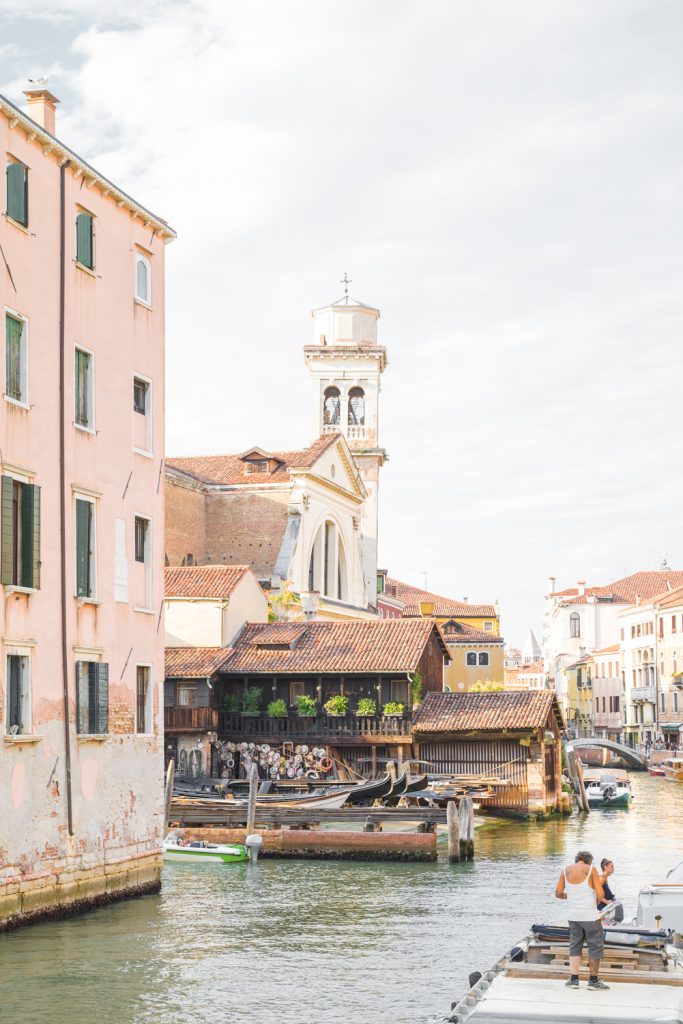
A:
(590, 932)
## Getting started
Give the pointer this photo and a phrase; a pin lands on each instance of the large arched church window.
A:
(327, 566)
(356, 407)
(332, 407)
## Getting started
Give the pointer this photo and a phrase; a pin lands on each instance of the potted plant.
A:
(366, 706)
(417, 688)
(277, 709)
(336, 705)
(251, 702)
(392, 707)
(231, 704)
(305, 706)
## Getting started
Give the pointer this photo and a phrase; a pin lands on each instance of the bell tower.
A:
(345, 363)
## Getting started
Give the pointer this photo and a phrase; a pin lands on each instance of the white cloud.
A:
(502, 179)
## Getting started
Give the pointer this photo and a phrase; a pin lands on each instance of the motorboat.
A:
(673, 769)
(607, 789)
(642, 968)
(660, 904)
(655, 769)
(202, 852)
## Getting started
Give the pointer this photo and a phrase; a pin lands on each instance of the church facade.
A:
(303, 520)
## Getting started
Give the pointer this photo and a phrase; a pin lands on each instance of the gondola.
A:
(367, 791)
(416, 784)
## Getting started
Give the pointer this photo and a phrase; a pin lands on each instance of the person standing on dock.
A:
(580, 885)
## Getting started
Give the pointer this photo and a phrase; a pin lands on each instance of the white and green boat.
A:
(607, 789)
(201, 852)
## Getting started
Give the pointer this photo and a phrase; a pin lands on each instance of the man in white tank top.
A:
(580, 885)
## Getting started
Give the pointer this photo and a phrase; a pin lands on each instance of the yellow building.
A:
(578, 697)
(472, 632)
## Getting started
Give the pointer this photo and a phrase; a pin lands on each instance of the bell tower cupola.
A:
(345, 363)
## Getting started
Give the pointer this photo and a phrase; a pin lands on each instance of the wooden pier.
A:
(329, 845)
(220, 812)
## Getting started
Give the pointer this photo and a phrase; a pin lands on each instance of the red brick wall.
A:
(185, 524)
(245, 529)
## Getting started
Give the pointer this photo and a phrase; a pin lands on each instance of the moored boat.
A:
(673, 769)
(660, 904)
(201, 852)
(655, 769)
(607, 789)
(643, 970)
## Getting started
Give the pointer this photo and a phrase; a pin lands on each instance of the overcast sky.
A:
(502, 179)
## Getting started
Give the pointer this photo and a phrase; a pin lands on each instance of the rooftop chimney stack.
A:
(582, 588)
(552, 580)
(41, 104)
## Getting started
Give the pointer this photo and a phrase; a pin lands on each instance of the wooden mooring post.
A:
(168, 793)
(583, 799)
(453, 826)
(251, 806)
(466, 815)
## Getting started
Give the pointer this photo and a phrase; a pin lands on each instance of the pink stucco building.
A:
(81, 527)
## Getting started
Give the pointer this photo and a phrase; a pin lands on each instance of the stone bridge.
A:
(632, 757)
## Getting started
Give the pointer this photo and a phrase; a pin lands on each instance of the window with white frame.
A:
(471, 658)
(488, 627)
(142, 414)
(86, 547)
(16, 358)
(19, 533)
(143, 563)
(143, 699)
(92, 697)
(575, 625)
(18, 690)
(84, 389)
(483, 658)
(143, 279)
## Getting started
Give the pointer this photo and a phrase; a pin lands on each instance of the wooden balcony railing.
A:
(181, 719)
(323, 727)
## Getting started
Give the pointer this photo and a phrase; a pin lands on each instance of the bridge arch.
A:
(631, 756)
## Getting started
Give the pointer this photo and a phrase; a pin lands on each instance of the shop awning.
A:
(671, 726)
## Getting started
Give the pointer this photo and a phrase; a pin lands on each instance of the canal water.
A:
(324, 942)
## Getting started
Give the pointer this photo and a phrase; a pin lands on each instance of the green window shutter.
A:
(84, 247)
(17, 192)
(7, 530)
(13, 332)
(30, 536)
(83, 546)
(102, 671)
(82, 696)
(81, 396)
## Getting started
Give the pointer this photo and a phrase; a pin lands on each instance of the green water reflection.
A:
(333, 942)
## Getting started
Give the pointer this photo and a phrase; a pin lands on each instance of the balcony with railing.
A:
(186, 719)
(644, 694)
(335, 728)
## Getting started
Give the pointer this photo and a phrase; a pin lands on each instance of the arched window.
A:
(188, 560)
(332, 407)
(143, 279)
(356, 407)
(574, 624)
(327, 563)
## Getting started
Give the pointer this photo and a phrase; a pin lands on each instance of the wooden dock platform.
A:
(329, 845)
(220, 812)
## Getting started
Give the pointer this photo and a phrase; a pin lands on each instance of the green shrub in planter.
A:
(251, 704)
(366, 706)
(305, 706)
(393, 708)
(417, 688)
(336, 705)
(277, 709)
(231, 704)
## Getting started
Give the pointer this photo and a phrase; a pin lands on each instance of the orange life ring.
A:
(324, 764)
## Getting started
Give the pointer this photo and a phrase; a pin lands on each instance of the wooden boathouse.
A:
(510, 735)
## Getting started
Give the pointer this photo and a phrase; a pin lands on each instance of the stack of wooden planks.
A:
(620, 963)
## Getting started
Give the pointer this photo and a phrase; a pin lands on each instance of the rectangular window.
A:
(674, 698)
(142, 418)
(20, 530)
(92, 697)
(84, 390)
(662, 702)
(143, 699)
(471, 658)
(16, 359)
(141, 528)
(661, 627)
(187, 696)
(17, 192)
(18, 695)
(296, 690)
(673, 623)
(483, 658)
(120, 561)
(488, 627)
(85, 249)
(85, 548)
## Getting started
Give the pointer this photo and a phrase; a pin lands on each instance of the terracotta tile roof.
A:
(669, 599)
(534, 669)
(348, 646)
(412, 596)
(229, 469)
(647, 585)
(470, 712)
(466, 634)
(194, 662)
(217, 581)
(607, 650)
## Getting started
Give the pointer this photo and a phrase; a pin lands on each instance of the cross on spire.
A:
(346, 281)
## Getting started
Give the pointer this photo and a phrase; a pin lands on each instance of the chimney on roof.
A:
(464, 600)
(637, 600)
(426, 608)
(582, 588)
(552, 581)
(41, 104)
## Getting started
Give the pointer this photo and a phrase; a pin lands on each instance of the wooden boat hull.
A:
(673, 774)
(211, 853)
(655, 769)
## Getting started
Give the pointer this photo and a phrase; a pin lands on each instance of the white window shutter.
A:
(120, 561)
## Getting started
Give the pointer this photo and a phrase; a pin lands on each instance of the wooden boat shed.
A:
(515, 736)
